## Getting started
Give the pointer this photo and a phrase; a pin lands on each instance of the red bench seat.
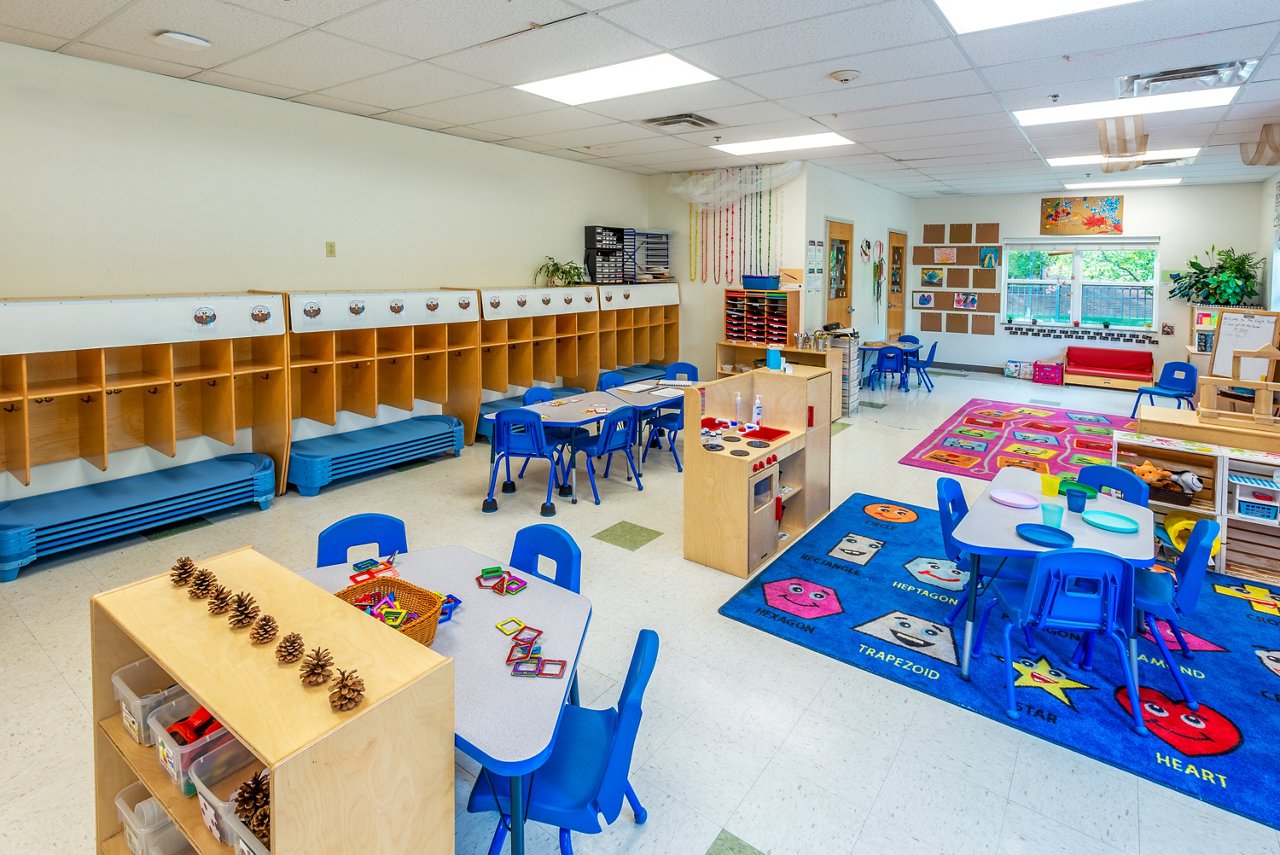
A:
(1109, 367)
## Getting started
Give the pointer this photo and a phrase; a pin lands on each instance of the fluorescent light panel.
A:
(651, 74)
(970, 16)
(1094, 159)
(1127, 107)
(1117, 185)
(784, 144)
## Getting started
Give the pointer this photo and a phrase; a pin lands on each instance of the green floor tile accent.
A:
(836, 427)
(627, 535)
(727, 844)
(873, 405)
(177, 528)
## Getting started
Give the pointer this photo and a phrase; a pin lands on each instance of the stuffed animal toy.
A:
(1187, 481)
(1155, 476)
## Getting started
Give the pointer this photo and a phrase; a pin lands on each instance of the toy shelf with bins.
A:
(1253, 530)
(150, 372)
(538, 335)
(639, 325)
(737, 354)
(328, 769)
(762, 317)
(1132, 449)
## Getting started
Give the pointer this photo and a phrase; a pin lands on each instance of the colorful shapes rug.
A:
(983, 437)
(869, 586)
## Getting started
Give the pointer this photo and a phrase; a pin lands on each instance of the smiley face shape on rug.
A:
(918, 635)
(1270, 660)
(1204, 732)
(856, 548)
(938, 572)
(802, 598)
(887, 512)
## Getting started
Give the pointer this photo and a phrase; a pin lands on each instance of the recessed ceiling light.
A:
(181, 41)
(1087, 112)
(1116, 185)
(651, 74)
(784, 144)
(970, 16)
(1094, 159)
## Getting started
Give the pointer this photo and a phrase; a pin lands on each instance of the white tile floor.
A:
(788, 750)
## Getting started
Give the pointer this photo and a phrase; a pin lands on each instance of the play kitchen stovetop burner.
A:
(757, 443)
(738, 452)
(713, 446)
(731, 439)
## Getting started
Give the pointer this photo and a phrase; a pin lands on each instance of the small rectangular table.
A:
(868, 347)
(506, 723)
(989, 529)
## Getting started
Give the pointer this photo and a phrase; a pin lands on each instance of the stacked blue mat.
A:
(484, 428)
(314, 463)
(55, 522)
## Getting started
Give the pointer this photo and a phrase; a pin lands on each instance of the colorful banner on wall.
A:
(1082, 215)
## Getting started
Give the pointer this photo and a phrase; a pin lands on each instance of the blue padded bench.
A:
(43, 525)
(484, 427)
(314, 463)
(641, 373)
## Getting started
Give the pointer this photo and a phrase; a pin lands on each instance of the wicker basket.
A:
(426, 603)
(1172, 497)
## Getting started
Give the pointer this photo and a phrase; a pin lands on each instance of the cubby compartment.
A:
(431, 339)
(358, 387)
(464, 335)
(262, 403)
(520, 363)
(67, 426)
(1132, 450)
(394, 341)
(520, 329)
(625, 347)
(657, 345)
(544, 360)
(205, 407)
(493, 368)
(607, 320)
(144, 365)
(544, 326)
(567, 356)
(639, 347)
(15, 456)
(257, 354)
(139, 416)
(314, 393)
(196, 360)
(568, 324)
(395, 382)
(431, 375)
(352, 345)
(608, 350)
(493, 332)
(140, 688)
(64, 372)
(13, 378)
(310, 348)
(148, 830)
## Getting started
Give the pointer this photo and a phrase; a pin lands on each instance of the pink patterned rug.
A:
(983, 437)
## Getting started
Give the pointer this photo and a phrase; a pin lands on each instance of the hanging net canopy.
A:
(721, 188)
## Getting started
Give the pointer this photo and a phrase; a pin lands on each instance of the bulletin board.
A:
(958, 266)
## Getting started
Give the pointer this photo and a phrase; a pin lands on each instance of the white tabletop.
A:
(507, 723)
(989, 526)
(648, 400)
(570, 411)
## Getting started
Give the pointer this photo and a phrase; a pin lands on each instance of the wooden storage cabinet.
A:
(762, 317)
(539, 335)
(390, 758)
(639, 325)
(735, 353)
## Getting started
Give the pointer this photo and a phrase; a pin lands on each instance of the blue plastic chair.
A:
(671, 422)
(556, 436)
(681, 371)
(554, 543)
(889, 360)
(1077, 590)
(519, 433)
(1131, 488)
(536, 395)
(335, 541)
(586, 775)
(909, 339)
(609, 380)
(922, 366)
(616, 433)
(1177, 381)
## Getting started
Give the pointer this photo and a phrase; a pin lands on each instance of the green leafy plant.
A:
(558, 274)
(1224, 278)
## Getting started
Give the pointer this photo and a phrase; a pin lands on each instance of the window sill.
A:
(1127, 335)
(1082, 327)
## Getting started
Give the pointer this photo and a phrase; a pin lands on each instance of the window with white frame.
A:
(1092, 283)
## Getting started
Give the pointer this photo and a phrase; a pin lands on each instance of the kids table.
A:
(647, 403)
(506, 723)
(868, 347)
(988, 529)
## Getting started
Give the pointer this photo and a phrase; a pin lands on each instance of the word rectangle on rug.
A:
(870, 586)
(983, 437)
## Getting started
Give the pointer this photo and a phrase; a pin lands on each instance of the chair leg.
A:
(549, 508)
(1137, 399)
(525, 466)
(490, 504)
(1122, 647)
(1174, 668)
(675, 452)
(1011, 703)
(1031, 640)
(1177, 633)
(958, 609)
(636, 807)
(631, 461)
(591, 476)
(566, 844)
(508, 486)
(499, 834)
(608, 464)
(982, 626)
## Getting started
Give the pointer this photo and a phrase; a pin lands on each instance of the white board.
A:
(1242, 330)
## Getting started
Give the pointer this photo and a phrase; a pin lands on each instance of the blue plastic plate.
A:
(1107, 521)
(1045, 535)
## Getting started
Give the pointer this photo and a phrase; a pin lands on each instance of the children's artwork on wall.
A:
(944, 255)
(931, 277)
(1082, 215)
(989, 256)
(966, 301)
(922, 300)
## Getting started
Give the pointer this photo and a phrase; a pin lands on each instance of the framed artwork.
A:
(966, 301)
(1082, 215)
(989, 256)
(931, 277)
(922, 300)
(944, 255)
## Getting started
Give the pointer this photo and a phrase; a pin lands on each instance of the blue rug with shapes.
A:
(869, 586)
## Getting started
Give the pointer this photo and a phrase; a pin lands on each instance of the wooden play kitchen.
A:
(749, 492)
(376, 778)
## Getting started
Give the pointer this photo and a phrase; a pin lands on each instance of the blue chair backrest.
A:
(608, 380)
(1179, 376)
(890, 359)
(910, 339)
(951, 509)
(553, 542)
(1192, 565)
(536, 395)
(682, 371)
(928, 360)
(614, 782)
(1132, 488)
(616, 431)
(519, 432)
(1080, 589)
(386, 531)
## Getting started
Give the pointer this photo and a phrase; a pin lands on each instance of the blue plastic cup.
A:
(1076, 500)
(773, 359)
(1051, 513)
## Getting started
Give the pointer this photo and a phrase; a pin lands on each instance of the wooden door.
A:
(839, 272)
(896, 287)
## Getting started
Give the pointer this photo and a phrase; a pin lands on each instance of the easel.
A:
(1264, 390)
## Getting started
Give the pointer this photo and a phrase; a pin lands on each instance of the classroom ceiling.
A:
(930, 113)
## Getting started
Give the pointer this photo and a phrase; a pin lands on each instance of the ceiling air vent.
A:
(1186, 79)
(682, 122)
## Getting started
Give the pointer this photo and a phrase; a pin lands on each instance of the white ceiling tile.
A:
(1260, 90)
(648, 145)
(662, 158)
(257, 87)
(15, 36)
(750, 114)
(569, 46)
(475, 134)
(57, 19)
(314, 60)
(526, 145)
(232, 30)
(698, 98)
(591, 138)
(710, 161)
(408, 86)
(1080, 92)
(500, 103)
(750, 133)
(883, 66)
(402, 118)
(1208, 115)
(315, 99)
(546, 122)
(925, 111)
(312, 13)
(933, 129)
(1257, 112)
(674, 23)
(956, 84)
(115, 57)
(569, 154)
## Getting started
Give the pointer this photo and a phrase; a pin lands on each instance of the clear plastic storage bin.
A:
(245, 842)
(174, 758)
(217, 776)
(140, 688)
(147, 828)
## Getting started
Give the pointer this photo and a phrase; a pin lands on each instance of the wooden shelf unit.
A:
(639, 325)
(391, 757)
(150, 375)
(539, 335)
(737, 353)
(762, 317)
(737, 513)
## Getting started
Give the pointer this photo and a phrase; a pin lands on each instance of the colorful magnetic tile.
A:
(362, 576)
(519, 653)
(501, 587)
(385, 571)
(511, 626)
(445, 617)
(387, 602)
(395, 617)
(526, 634)
(552, 668)
(490, 581)
(452, 601)
(515, 585)
(367, 564)
(492, 572)
(365, 599)
(526, 668)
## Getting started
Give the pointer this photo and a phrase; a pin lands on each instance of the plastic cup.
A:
(1051, 514)
(1049, 484)
(1076, 500)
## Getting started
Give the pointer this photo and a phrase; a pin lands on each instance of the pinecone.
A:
(244, 611)
(219, 600)
(264, 630)
(290, 649)
(182, 572)
(260, 825)
(202, 585)
(317, 668)
(253, 795)
(347, 691)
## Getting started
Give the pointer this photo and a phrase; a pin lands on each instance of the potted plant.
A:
(1224, 278)
(558, 274)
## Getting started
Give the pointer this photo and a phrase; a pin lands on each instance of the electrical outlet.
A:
(330, 249)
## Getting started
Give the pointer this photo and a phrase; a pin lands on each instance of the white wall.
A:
(1187, 220)
(1269, 240)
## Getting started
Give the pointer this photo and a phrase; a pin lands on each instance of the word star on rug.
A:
(983, 437)
(869, 586)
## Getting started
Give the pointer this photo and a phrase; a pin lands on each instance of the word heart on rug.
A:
(870, 586)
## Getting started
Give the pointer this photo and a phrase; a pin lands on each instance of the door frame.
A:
(838, 309)
(888, 285)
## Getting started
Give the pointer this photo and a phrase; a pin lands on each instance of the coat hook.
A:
(266, 376)
(12, 408)
(212, 382)
(86, 399)
(153, 391)
(315, 370)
